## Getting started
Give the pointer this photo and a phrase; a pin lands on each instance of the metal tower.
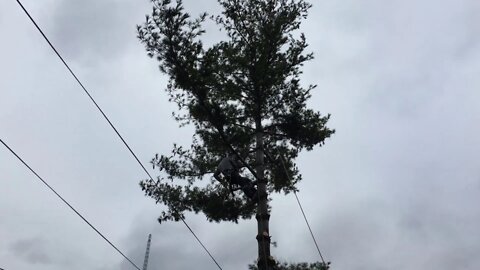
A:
(147, 252)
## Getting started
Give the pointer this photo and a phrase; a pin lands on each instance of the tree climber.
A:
(229, 167)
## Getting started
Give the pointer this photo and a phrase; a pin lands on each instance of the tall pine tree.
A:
(243, 95)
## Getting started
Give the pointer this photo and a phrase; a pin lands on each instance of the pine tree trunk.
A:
(263, 216)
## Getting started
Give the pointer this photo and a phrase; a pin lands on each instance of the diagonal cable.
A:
(298, 201)
(209, 254)
(83, 87)
(100, 110)
(69, 205)
(303, 212)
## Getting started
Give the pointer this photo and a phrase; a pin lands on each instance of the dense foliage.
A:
(297, 266)
(235, 93)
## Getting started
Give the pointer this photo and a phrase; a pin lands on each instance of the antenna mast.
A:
(147, 252)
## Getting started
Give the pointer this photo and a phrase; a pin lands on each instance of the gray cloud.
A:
(174, 247)
(31, 250)
(396, 187)
(89, 31)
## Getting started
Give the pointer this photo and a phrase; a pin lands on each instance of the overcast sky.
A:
(397, 187)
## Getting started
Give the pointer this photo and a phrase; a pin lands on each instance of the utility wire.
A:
(298, 201)
(69, 205)
(101, 111)
(183, 220)
(303, 212)
(83, 87)
(310, 229)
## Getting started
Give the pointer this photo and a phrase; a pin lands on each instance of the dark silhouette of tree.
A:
(243, 95)
(296, 266)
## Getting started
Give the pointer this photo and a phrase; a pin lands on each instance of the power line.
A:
(303, 212)
(101, 111)
(83, 87)
(68, 204)
(308, 225)
(184, 222)
(298, 201)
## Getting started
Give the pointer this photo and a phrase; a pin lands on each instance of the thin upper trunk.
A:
(263, 216)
